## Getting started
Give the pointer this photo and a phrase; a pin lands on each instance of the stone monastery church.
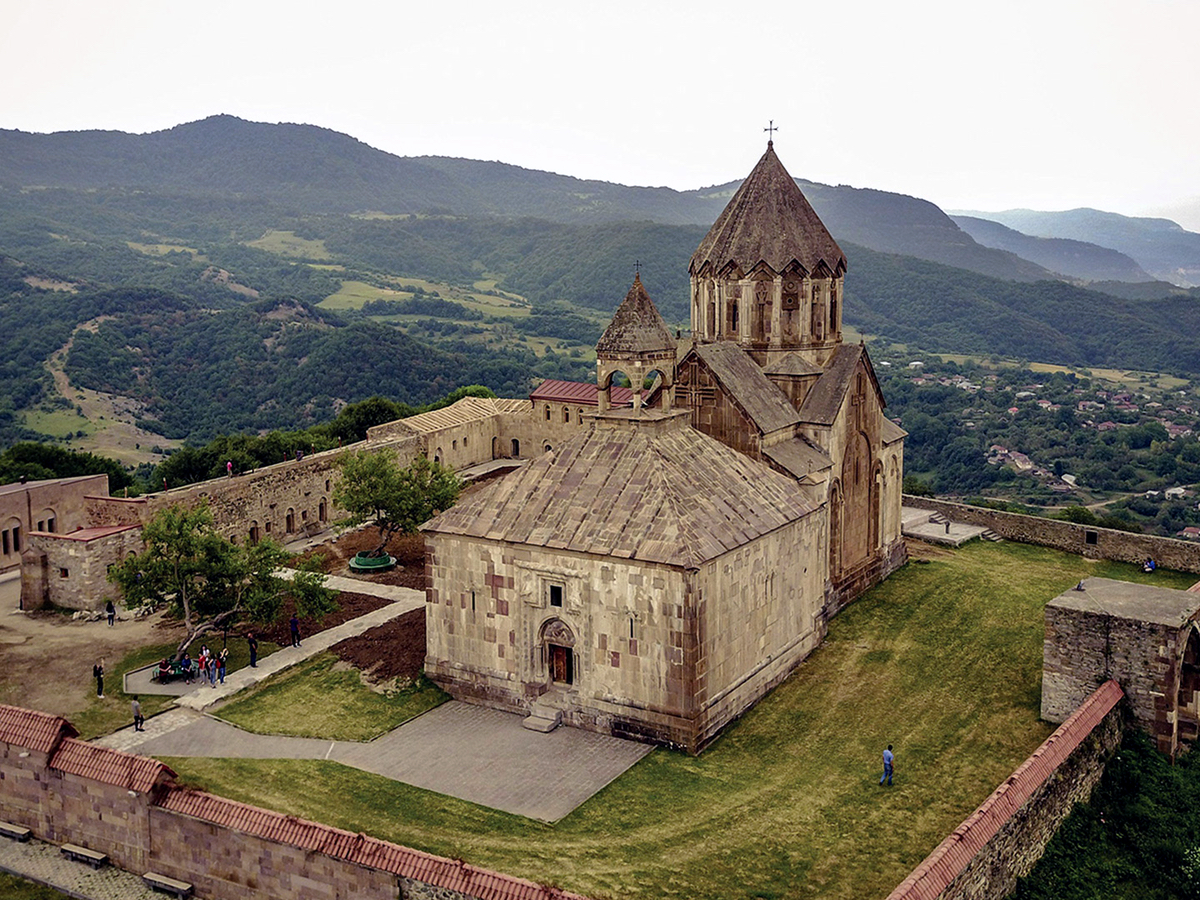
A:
(664, 565)
(660, 555)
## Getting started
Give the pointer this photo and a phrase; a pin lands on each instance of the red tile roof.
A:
(89, 534)
(134, 773)
(928, 880)
(583, 393)
(35, 731)
(359, 848)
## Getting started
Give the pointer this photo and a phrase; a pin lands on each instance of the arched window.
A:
(566, 414)
(547, 412)
(290, 522)
(516, 447)
(322, 511)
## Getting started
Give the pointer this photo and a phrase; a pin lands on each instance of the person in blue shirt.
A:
(888, 759)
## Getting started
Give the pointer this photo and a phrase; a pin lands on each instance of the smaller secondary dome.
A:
(636, 327)
(769, 220)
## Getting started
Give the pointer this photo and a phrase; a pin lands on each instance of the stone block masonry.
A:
(130, 808)
(1003, 839)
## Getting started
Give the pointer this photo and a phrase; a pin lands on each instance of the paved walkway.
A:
(480, 755)
(41, 862)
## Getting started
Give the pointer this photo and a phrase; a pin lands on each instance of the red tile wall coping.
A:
(37, 731)
(935, 874)
(134, 773)
(361, 849)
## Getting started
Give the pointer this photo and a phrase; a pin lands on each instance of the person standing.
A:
(294, 625)
(252, 642)
(222, 659)
(111, 612)
(138, 719)
(889, 760)
(98, 674)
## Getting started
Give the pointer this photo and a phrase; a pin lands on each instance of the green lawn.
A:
(943, 661)
(107, 715)
(13, 888)
(287, 243)
(321, 699)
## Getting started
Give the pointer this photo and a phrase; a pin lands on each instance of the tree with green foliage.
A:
(373, 487)
(208, 581)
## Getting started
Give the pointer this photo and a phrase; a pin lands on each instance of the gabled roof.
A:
(37, 731)
(674, 496)
(462, 411)
(744, 381)
(636, 326)
(124, 770)
(823, 402)
(584, 393)
(890, 432)
(769, 220)
(793, 364)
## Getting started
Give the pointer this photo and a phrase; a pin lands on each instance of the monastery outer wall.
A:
(630, 628)
(752, 637)
(227, 850)
(1006, 836)
(1082, 540)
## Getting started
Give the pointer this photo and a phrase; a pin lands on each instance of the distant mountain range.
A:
(317, 170)
(1161, 247)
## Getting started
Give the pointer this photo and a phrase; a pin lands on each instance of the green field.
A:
(59, 423)
(286, 243)
(943, 661)
(355, 293)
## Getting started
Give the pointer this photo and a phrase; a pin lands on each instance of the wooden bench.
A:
(83, 854)
(16, 832)
(167, 885)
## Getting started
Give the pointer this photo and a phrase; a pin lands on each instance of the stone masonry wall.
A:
(226, 865)
(1084, 540)
(73, 573)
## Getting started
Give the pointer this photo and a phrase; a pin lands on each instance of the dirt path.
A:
(46, 658)
(113, 417)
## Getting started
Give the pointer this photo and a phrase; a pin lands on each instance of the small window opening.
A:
(472, 601)
(1091, 537)
(63, 573)
(556, 593)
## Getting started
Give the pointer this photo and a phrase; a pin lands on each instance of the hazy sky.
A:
(984, 104)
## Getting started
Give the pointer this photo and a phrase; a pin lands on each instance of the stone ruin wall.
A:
(1083, 540)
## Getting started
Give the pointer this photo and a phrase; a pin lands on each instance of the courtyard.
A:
(943, 661)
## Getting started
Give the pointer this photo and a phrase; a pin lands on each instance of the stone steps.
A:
(990, 535)
(542, 717)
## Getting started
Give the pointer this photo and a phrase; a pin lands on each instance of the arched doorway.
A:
(516, 448)
(1188, 711)
(558, 650)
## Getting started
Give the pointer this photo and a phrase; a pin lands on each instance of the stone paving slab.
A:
(42, 862)
(484, 756)
(480, 755)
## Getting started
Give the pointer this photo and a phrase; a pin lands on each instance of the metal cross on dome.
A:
(771, 129)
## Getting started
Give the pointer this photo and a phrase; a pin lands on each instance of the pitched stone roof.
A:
(890, 432)
(467, 409)
(124, 770)
(798, 456)
(672, 496)
(37, 731)
(768, 220)
(744, 381)
(636, 326)
(823, 402)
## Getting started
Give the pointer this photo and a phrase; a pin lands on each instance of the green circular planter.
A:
(364, 563)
